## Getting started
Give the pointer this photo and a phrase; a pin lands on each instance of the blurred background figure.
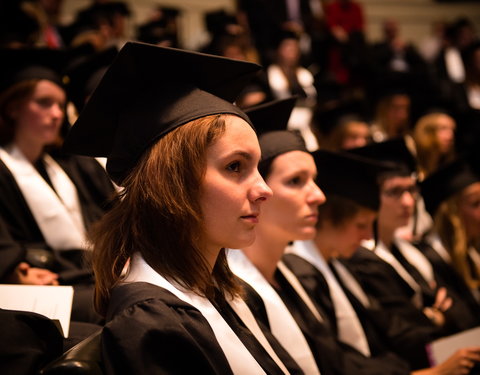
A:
(161, 28)
(287, 77)
(392, 115)
(342, 127)
(451, 196)
(434, 136)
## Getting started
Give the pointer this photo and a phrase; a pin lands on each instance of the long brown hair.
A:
(159, 215)
(10, 98)
(451, 230)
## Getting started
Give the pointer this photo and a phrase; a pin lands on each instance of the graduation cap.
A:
(270, 121)
(149, 91)
(350, 176)
(84, 73)
(395, 151)
(33, 63)
(448, 180)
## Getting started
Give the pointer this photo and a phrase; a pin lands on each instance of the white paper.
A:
(443, 348)
(54, 302)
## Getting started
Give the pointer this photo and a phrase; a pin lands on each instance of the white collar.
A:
(350, 330)
(282, 324)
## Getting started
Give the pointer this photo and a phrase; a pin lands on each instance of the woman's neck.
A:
(31, 150)
(324, 245)
(265, 253)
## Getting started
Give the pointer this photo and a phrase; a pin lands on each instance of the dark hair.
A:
(159, 215)
(13, 96)
(337, 210)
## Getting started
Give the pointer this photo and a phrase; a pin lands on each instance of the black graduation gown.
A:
(407, 324)
(380, 280)
(382, 360)
(151, 331)
(465, 310)
(29, 342)
(94, 189)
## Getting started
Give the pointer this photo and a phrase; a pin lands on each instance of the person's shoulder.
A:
(127, 295)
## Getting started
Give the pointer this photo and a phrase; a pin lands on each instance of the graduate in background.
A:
(396, 272)
(187, 160)
(48, 200)
(451, 196)
(344, 221)
(291, 214)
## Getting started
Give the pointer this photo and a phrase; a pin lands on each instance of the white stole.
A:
(239, 358)
(351, 282)
(385, 254)
(434, 241)
(282, 324)
(59, 217)
(415, 257)
(350, 330)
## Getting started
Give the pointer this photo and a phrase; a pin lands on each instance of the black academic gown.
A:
(94, 189)
(29, 342)
(151, 331)
(408, 323)
(465, 310)
(383, 360)
(21, 239)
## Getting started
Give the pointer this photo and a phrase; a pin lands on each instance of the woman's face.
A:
(289, 52)
(292, 212)
(445, 132)
(469, 210)
(232, 190)
(357, 134)
(38, 119)
(353, 231)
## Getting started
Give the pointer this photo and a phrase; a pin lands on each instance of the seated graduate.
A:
(298, 322)
(47, 200)
(396, 272)
(187, 160)
(451, 196)
(345, 219)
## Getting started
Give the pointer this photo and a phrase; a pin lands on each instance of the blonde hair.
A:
(428, 148)
(451, 230)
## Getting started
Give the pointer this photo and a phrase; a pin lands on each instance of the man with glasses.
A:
(393, 271)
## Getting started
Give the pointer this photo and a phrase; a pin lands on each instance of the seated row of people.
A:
(191, 273)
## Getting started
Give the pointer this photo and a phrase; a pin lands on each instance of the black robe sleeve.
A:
(150, 331)
(29, 342)
(382, 360)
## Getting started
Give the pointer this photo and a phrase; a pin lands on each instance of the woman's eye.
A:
(234, 167)
(44, 102)
(294, 181)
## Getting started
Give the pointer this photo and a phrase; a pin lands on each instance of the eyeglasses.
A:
(397, 192)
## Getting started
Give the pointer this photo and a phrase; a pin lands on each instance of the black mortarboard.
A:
(147, 92)
(36, 63)
(271, 116)
(350, 176)
(84, 73)
(393, 151)
(448, 180)
(271, 120)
